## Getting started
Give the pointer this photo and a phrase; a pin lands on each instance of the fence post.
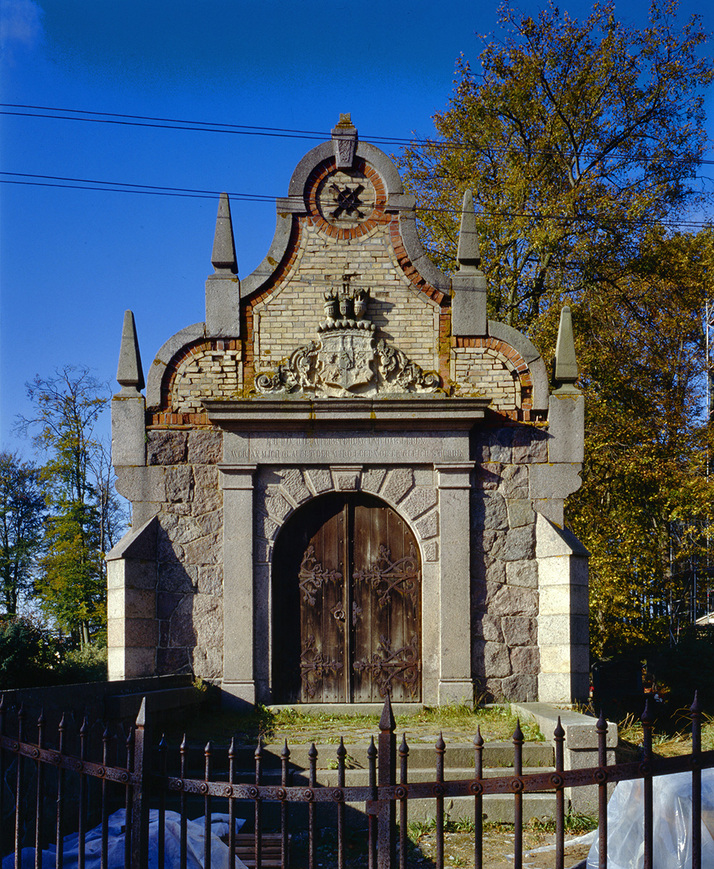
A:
(140, 801)
(386, 777)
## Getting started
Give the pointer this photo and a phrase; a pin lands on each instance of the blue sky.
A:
(72, 260)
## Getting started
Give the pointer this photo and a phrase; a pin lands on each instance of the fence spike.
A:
(387, 722)
(559, 733)
(341, 750)
(478, 739)
(518, 733)
(440, 744)
(141, 717)
(285, 753)
(696, 706)
(647, 718)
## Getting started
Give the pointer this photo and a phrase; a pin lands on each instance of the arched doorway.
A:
(346, 577)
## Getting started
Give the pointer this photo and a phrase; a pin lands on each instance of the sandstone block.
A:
(529, 445)
(179, 483)
(508, 601)
(513, 479)
(399, 481)
(419, 500)
(294, 485)
(205, 550)
(525, 660)
(522, 573)
(489, 511)
(166, 447)
(428, 526)
(520, 512)
(205, 447)
(519, 631)
(489, 627)
(430, 550)
(519, 544)
(520, 687)
(488, 476)
(321, 480)
(497, 662)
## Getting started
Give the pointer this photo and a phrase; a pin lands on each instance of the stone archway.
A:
(346, 582)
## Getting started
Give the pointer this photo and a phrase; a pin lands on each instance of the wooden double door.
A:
(346, 604)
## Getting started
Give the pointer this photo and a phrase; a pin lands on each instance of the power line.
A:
(58, 181)
(235, 129)
(179, 124)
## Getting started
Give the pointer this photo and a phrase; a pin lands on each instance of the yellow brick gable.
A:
(289, 317)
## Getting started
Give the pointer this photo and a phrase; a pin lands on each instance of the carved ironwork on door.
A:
(386, 576)
(347, 604)
(313, 574)
(394, 669)
(315, 668)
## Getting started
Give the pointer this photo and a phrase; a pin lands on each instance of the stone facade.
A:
(346, 370)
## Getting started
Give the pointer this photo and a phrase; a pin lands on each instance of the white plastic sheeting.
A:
(671, 824)
(93, 845)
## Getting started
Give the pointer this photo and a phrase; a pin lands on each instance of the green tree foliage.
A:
(84, 514)
(581, 142)
(574, 138)
(646, 503)
(22, 509)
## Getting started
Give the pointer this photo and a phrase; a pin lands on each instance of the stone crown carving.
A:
(349, 358)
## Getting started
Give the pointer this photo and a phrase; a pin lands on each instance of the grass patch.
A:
(459, 724)
(664, 742)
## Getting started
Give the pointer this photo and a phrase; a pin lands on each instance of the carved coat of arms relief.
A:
(349, 358)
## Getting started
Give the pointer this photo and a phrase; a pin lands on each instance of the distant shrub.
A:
(88, 664)
(684, 669)
(28, 655)
(31, 657)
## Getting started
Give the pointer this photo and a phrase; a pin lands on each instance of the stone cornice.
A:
(434, 413)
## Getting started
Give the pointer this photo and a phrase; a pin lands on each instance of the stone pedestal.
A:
(132, 629)
(563, 617)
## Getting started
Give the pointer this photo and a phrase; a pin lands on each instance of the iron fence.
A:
(46, 791)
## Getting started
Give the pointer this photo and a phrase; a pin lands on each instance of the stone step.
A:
(421, 755)
(360, 777)
(496, 808)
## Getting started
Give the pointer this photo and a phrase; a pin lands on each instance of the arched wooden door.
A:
(346, 604)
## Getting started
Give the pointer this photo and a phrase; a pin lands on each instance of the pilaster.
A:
(239, 597)
(455, 681)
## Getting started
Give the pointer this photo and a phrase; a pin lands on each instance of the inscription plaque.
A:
(358, 447)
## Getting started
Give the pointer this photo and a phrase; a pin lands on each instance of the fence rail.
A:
(54, 792)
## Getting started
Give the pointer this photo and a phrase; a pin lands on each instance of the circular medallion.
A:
(345, 199)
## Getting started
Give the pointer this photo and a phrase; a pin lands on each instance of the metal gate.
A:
(347, 604)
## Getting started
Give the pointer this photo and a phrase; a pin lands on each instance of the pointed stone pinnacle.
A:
(468, 253)
(223, 257)
(566, 365)
(129, 371)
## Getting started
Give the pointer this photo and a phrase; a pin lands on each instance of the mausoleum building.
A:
(347, 481)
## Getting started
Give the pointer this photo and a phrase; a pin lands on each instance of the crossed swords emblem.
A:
(347, 200)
